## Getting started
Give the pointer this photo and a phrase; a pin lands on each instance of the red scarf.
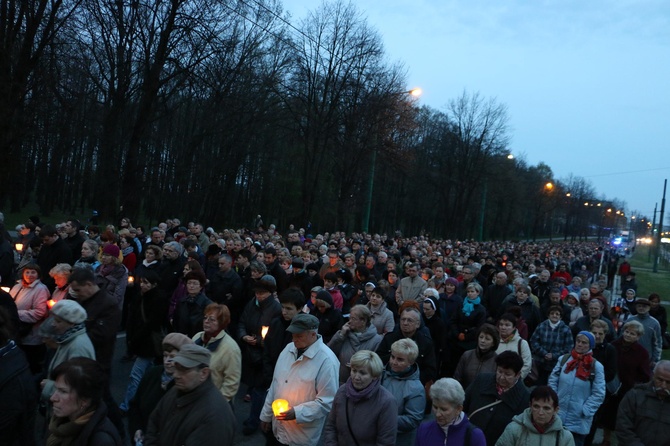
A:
(582, 363)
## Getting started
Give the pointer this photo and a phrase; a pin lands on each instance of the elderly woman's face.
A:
(506, 378)
(445, 412)
(61, 279)
(211, 325)
(630, 335)
(399, 361)
(357, 322)
(582, 344)
(361, 377)
(599, 334)
(428, 309)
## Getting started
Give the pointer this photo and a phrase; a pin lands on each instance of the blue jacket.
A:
(578, 399)
(411, 398)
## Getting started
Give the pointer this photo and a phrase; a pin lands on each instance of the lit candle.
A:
(131, 280)
(19, 247)
(51, 303)
(280, 406)
(264, 331)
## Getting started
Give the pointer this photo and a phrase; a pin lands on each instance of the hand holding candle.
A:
(279, 406)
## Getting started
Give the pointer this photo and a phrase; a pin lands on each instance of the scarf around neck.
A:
(469, 305)
(581, 362)
(70, 333)
(359, 395)
(63, 432)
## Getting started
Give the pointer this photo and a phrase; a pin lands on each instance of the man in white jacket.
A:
(307, 376)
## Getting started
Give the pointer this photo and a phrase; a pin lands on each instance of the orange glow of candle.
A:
(19, 247)
(131, 280)
(51, 303)
(280, 406)
(264, 331)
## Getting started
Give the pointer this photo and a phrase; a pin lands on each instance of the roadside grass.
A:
(12, 219)
(650, 282)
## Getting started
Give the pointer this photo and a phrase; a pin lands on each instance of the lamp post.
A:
(415, 93)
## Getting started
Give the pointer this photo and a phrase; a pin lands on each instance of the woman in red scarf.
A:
(579, 380)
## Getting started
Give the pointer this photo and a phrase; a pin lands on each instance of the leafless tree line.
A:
(222, 110)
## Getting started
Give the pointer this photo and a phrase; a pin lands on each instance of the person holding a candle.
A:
(364, 412)
(306, 376)
(60, 273)
(30, 296)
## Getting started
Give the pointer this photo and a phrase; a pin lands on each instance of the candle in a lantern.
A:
(264, 331)
(19, 247)
(280, 406)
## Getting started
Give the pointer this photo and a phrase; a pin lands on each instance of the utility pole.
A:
(660, 228)
(653, 224)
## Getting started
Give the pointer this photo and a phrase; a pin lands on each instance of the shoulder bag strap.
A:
(346, 406)
(495, 403)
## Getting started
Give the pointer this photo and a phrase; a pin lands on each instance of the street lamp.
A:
(414, 93)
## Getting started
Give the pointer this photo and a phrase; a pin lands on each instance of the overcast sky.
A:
(586, 83)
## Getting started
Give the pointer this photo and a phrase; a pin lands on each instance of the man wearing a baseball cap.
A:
(307, 376)
(193, 411)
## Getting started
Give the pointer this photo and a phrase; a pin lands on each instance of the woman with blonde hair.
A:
(364, 413)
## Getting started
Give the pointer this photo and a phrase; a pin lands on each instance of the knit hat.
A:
(589, 336)
(111, 250)
(451, 281)
(191, 355)
(175, 341)
(70, 311)
(325, 296)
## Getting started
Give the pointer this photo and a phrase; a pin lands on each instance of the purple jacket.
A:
(431, 434)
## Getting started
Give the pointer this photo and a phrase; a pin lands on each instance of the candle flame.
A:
(264, 331)
(280, 406)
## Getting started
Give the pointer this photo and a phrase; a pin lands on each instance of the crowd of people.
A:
(334, 337)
